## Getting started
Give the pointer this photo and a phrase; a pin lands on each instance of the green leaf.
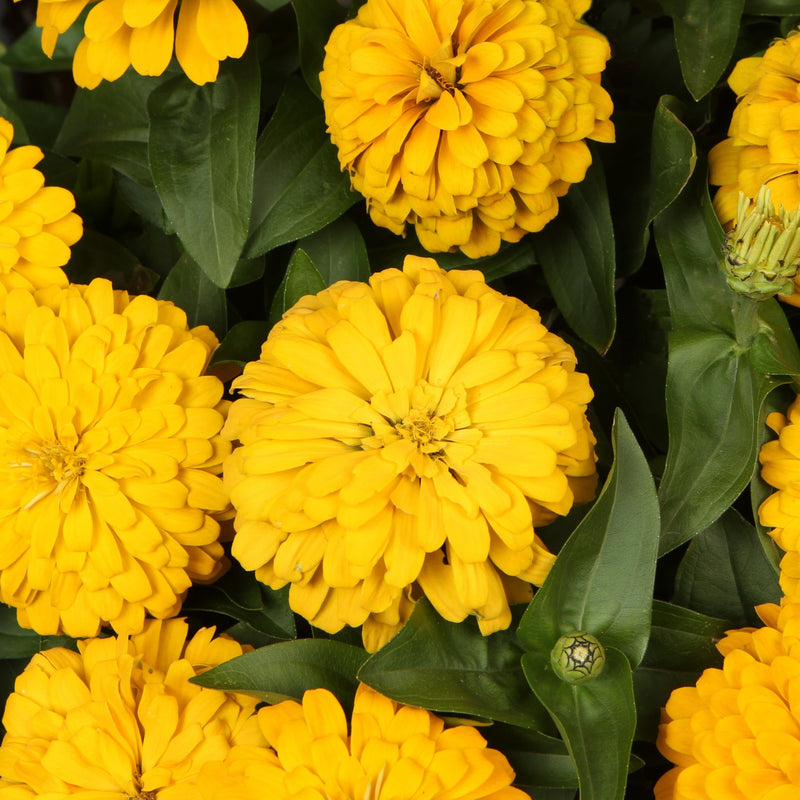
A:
(725, 351)
(242, 344)
(725, 572)
(286, 670)
(201, 156)
(673, 155)
(778, 8)
(301, 278)
(602, 580)
(576, 252)
(705, 33)
(596, 719)
(338, 252)
(26, 53)
(451, 668)
(110, 124)
(537, 760)
(240, 596)
(315, 21)
(203, 301)
(18, 642)
(299, 187)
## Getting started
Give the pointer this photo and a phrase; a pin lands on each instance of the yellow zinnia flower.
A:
(119, 718)
(763, 146)
(37, 225)
(466, 118)
(141, 33)
(391, 751)
(109, 458)
(736, 734)
(780, 468)
(405, 436)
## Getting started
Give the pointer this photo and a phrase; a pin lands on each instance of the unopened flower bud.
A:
(577, 657)
(762, 249)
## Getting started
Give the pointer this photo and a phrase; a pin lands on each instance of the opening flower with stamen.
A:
(110, 458)
(37, 223)
(466, 119)
(735, 735)
(123, 33)
(390, 751)
(405, 437)
(120, 720)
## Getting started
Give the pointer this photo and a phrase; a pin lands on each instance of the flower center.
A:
(426, 431)
(51, 466)
(59, 462)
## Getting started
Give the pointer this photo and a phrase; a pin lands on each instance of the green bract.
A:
(578, 657)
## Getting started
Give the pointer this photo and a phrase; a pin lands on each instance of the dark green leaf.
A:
(602, 580)
(302, 278)
(706, 33)
(576, 252)
(288, 669)
(299, 187)
(273, 5)
(111, 124)
(724, 351)
(17, 642)
(338, 252)
(242, 344)
(596, 719)
(315, 21)
(26, 53)
(538, 760)
(203, 301)
(778, 8)
(725, 572)
(452, 668)
(673, 155)
(201, 157)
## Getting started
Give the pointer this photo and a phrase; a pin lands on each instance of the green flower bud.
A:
(577, 657)
(762, 250)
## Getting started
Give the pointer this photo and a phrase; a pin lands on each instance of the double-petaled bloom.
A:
(387, 751)
(119, 719)
(780, 468)
(763, 144)
(144, 34)
(466, 119)
(110, 458)
(736, 734)
(405, 437)
(37, 224)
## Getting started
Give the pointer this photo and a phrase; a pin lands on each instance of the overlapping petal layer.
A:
(119, 719)
(736, 734)
(402, 437)
(37, 224)
(763, 144)
(780, 468)
(110, 455)
(143, 34)
(466, 118)
(390, 751)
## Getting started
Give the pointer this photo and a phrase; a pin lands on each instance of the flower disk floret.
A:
(404, 437)
(123, 33)
(736, 734)
(37, 223)
(390, 750)
(466, 119)
(120, 719)
(110, 458)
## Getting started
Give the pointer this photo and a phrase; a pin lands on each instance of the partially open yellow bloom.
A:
(119, 720)
(736, 734)
(143, 34)
(404, 437)
(780, 468)
(391, 751)
(110, 455)
(763, 144)
(466, 118)
(37, 225)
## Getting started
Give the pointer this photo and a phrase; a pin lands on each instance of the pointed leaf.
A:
(201, 156)
(315, 21)
(242, 344)
(338, 252)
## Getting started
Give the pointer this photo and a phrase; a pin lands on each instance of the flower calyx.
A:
(577, 657)
(762, 249)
